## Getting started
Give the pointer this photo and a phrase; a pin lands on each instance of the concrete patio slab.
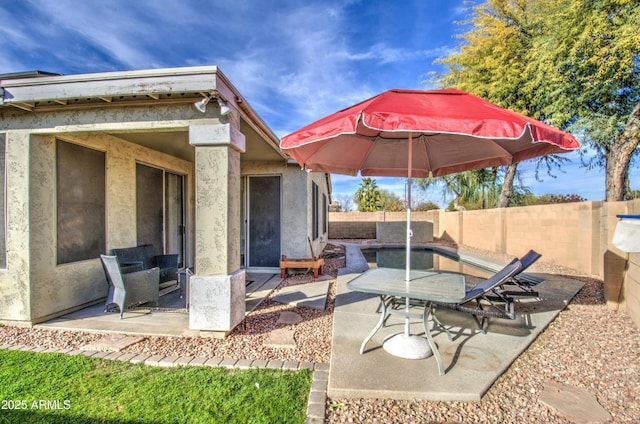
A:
(138, 322)
(259, 287)
(148, 320)
(307, 295)
(472, 361)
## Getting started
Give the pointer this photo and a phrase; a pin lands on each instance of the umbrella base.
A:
(407, 346)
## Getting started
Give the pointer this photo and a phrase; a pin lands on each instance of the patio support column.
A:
(217, 290)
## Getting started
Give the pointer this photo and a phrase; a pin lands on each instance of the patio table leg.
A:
(383, 317)
(432, 345)
(436, 322)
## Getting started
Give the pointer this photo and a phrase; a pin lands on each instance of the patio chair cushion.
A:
(132, 259)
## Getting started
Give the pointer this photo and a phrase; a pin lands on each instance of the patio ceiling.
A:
(176, 143)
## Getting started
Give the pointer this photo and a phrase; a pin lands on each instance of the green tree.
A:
(390, 201)
(491, 63)
(342, 202)
(572, 64)
(426, 206)
(475, 189)
(530, 199)
(586, 73)
(368, 196)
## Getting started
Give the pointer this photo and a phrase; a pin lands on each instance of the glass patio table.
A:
(423, 286)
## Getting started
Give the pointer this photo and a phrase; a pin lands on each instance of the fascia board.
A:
(111, 84)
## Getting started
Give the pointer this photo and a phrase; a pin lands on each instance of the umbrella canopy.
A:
(452, 131)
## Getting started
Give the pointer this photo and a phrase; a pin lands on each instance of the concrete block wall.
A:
(631, 300)
(566, 234)
(396, 232)
(362, 225)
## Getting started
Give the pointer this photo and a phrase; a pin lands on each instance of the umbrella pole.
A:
(404, 344)
(407, 277)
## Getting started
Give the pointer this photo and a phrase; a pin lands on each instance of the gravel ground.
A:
(588, 346)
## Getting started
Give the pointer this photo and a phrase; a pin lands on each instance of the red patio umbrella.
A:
(452, 131)
(418, 133)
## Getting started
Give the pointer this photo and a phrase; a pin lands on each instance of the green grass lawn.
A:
(58, 388)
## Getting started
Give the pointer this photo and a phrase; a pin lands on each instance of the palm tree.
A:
(479, 186)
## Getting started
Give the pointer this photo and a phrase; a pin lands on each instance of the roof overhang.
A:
(47, 92)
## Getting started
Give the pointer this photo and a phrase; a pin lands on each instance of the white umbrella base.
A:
(407, 346)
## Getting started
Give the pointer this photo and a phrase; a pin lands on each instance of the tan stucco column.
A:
(217, 290)
(15, 284)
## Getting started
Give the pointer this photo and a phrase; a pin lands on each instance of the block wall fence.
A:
(576, 235)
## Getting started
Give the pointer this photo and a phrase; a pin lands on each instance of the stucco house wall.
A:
(297, 205)
(33, 287)
(324, 187)
(62, 287)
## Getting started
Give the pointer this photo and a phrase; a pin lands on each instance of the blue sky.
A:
(294, 61)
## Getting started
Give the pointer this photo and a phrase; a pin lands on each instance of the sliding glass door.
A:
(160, 210)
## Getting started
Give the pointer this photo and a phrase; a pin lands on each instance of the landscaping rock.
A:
(281, 338)
(575, 404)
(287, 317)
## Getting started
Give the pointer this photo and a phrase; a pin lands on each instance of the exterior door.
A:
(160, 210)
(175, 231)
(150, 207)
(264, 221)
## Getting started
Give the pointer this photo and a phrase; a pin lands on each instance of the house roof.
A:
(38, 91)
(26, 74)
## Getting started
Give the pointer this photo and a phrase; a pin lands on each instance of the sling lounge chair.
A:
(483, 301)
(522, 284)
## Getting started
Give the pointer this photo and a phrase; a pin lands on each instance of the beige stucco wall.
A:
(631, 293)
(319, 243)
(296, 204)
(621, 270)
(60, 287)
(218, 199)
(15, 291)
(33, 287)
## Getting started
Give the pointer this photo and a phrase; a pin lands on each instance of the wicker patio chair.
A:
(126, 290)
